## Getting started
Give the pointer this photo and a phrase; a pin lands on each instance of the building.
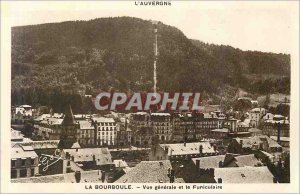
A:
(201, 170)
(93, 176)
(250, 144)
(151, 172)
(189, 127)
(161, 124)
(124, 133)
(24, 162)
(247, 174)
(89, 158)
(278, 126)
(87, 133)
(255, 115)
(181, 151)
(16, 136)
(54, 128)
(143, 133)
(106, 132)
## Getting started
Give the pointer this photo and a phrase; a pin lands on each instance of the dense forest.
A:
(53, 63)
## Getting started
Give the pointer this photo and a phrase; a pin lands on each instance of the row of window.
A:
(23, 162)
(106, 128)
(23, 173)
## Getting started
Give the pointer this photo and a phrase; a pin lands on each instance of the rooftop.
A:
(102, 155)
(244, 175)
(86, 125)
(103, 120)
(92, 176)
(256, 140)
(148, 172)
(18, 151)
(210, 161)
(189, 148)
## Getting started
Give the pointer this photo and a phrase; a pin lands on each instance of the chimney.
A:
(219, 180)
(76, 149)
(184, 144)
(220, 164)
(77, 176)
(172, 176)
(198, 164)
(201, 149)
(278, 133)
(166, 149)
(215, 148)
(94, 158)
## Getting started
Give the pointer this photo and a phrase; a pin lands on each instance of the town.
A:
(211, 145)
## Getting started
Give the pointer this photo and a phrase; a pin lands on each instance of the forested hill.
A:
(105, 53)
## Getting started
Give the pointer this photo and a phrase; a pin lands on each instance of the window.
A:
(13, 174)
(23, 162)
(13, 163)
(32, 172)
(32, 161)
(23, 173)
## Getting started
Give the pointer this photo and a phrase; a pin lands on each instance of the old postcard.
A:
(149, 96)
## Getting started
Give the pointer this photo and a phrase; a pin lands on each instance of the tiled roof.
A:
(209, 162)
(47, 144)
(52, 121)
(16, 135)
(189, 148)
(224, 130)
(102, 155)
(86, 125)
(148, 172)
(19, 152)
(244, 175)
(120, 163)
(103, 120)
(281, 138)
(256, 140)
(246, 160)
(93, 176)
(254, 130)
(160, 114)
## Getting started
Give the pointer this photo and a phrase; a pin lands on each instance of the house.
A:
(248, 145)
(89, 158)
(24, 161)
(93, 176)
(284, 141)
(201, 170)
(278, 126)
(87, 133)
(106, 132)
(161, 124)
(255, 115)
(244, 175)
(181, 151)
(150, 172)
(16, 136)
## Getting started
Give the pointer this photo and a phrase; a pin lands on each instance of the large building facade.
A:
(106, 132)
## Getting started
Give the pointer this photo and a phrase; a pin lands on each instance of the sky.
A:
(262, 26)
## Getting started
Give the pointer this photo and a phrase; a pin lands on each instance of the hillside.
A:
(50, 61)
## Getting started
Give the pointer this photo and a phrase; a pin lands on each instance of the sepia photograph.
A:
(185, 95)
